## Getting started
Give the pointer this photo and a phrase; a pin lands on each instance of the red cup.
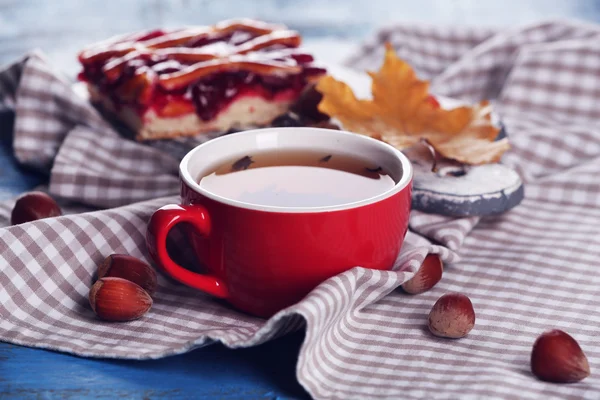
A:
(262, 259)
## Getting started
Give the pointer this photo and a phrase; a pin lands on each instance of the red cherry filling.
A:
(214, 94)
(208, 96)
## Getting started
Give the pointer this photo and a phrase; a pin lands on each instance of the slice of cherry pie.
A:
(233, 75)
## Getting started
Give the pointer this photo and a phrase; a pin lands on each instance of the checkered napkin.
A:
(526, 271)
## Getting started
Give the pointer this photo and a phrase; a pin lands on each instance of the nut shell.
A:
(130, 268)
(452, 316)
(307, 105)
(428, 275)
(32, 206)
(557, 357)
(117, 299)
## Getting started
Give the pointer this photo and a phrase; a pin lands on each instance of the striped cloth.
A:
(526, 271)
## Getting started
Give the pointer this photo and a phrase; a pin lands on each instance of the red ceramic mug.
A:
(262, 259)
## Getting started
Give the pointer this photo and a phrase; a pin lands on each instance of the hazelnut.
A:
(452, 316)
(428, 275)
(130, 268)
(307, 105)
(32, 206)
(117, 299)
(326, 125)
(557, 357)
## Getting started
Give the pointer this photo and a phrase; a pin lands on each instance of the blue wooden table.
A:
(331, 28)
(214, 372)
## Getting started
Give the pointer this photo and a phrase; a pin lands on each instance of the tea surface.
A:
(297, 179)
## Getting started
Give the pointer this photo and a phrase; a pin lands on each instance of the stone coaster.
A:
(459, 191)
(482, 190)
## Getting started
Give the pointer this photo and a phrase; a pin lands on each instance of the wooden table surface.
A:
(331, 29)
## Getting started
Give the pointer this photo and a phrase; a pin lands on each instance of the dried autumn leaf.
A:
(402, 114)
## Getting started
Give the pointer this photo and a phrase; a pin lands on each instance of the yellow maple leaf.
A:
(402, 114)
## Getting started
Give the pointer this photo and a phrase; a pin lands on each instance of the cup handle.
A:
(161, 222)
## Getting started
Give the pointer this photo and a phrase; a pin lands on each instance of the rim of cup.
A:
(265, 137)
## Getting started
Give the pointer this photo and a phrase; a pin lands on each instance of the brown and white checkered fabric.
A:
(526, 271)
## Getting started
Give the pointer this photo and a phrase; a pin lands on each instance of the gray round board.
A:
(476, 191)
(482, 190)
